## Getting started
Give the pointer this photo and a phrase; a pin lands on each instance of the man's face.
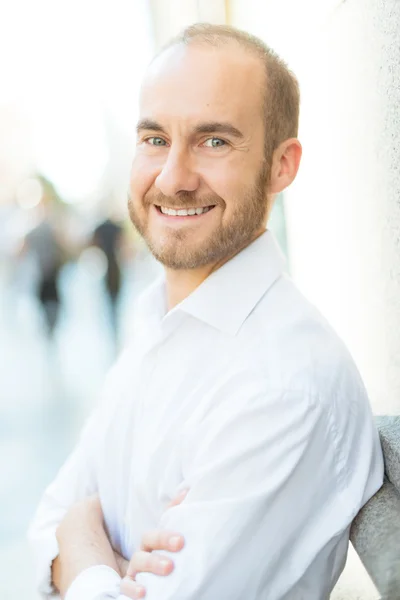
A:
(200, 150)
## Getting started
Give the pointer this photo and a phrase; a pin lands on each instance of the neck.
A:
(181, 283)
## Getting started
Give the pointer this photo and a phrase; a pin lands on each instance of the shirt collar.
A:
(226, 298)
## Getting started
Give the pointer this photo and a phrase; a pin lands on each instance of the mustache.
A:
(183, 199)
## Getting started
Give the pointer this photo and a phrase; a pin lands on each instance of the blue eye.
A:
(214, 142)
(156, 141)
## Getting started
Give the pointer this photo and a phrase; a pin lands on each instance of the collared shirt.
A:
(244, 395)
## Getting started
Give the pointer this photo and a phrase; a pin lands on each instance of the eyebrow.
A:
(208, 127)
(218, 127)
(149, 125)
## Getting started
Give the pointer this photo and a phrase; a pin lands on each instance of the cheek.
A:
(225, 182)
(142, 177)
(236, 181)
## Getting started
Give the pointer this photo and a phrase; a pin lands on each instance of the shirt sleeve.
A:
(96, 583)
(265, 499)
(76, 480)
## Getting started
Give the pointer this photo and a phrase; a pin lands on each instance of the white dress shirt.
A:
(244, 395)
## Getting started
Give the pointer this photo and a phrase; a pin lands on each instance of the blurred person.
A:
(44, 245)
(108, 237)
(235, 388)
(9, 242)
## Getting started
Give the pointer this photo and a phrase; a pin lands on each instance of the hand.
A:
(146, 561)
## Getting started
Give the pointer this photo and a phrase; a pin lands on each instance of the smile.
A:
(184, 212)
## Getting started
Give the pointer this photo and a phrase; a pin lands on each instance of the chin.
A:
(177, 256)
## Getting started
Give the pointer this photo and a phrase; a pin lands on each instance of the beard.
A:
(175, 248)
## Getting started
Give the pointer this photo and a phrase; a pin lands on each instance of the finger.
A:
(162, 540)
(149, 562)
(131, 589)
(178, 498)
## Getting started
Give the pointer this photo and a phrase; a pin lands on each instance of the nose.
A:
(178, 174)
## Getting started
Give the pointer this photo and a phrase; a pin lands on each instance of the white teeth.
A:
(168, 211)
(183, 212)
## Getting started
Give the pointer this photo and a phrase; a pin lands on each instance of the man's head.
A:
(217, 131)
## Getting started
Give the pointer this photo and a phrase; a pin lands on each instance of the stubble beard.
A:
(174, 249)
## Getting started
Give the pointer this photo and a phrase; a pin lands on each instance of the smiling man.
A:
(235, 387)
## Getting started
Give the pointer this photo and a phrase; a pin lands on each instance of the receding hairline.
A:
(206, 34)
(281, 95)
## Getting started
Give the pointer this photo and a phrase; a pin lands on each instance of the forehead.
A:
(198, 82)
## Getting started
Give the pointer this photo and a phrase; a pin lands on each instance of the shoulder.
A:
(293, 347)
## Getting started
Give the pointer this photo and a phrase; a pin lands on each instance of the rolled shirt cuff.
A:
(96, 583)
(44, 551)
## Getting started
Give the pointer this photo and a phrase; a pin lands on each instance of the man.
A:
(108, 236)
(44, 244)
(235, 388)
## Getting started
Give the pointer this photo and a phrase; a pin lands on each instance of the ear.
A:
(285, 164)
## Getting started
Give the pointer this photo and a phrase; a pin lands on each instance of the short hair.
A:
(282, 95)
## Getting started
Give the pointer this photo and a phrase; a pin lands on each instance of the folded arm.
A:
(261, 481)
(84, 548)
(274, 484)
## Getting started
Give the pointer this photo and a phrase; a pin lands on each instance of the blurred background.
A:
(71, 265)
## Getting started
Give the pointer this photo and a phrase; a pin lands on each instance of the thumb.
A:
(178, 498)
